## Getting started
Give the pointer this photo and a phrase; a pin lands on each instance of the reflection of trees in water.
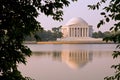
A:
(42, 53)
(56, 55)
(101, 53)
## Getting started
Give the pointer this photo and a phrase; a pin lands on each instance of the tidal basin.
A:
(69, 61)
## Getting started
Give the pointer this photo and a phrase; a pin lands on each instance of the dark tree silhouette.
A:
(18, 19)
(111, 12)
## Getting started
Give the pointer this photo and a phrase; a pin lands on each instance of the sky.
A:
(77, 9)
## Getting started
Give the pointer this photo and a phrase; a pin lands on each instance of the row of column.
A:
(78, 32)
(80, 55)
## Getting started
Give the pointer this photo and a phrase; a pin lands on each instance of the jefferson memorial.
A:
(76, 29)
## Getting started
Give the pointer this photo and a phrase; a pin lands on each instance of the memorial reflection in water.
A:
(74, 59)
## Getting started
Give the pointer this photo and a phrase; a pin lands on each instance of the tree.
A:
(98, 34)
(48, 35)
(18, 19)
(111, 12)
(44, 36)
(56, 32)
(107, 34)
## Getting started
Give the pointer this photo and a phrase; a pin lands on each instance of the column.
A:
(74, 32)
(77, 32)
(83, 32)
(80, 32)
(69, 32)
(86, 33)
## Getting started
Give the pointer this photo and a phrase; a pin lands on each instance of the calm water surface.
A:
(69, 61)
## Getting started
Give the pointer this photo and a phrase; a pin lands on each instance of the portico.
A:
(76, 32)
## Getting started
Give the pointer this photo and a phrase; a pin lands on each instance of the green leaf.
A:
(107, 19)
(100, 23)
(117, 17)
(111, 28)
(102, 13)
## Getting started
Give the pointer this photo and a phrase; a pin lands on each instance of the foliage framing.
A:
(111, 12)
(17, 19)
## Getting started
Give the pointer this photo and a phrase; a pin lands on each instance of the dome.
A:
(77, 21)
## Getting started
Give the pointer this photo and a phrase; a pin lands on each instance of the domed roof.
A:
(77, 21)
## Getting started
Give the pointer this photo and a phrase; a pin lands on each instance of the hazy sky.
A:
(76, 9)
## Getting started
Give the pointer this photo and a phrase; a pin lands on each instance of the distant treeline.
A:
(45, 35)
(52, 35)
(100, 34)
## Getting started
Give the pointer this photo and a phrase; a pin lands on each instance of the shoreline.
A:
(70, 42)
(74, 42)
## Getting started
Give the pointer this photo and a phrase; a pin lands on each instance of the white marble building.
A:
(76, 29)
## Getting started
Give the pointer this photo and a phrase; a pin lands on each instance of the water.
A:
(69, 61)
